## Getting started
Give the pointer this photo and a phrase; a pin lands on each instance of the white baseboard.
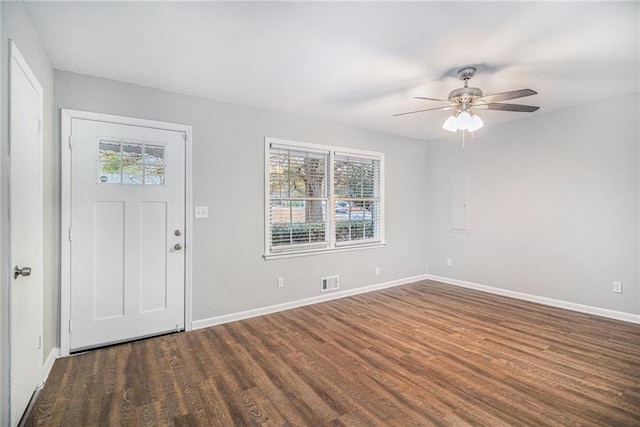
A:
(218, 320)
(597, 311)
(48, 364)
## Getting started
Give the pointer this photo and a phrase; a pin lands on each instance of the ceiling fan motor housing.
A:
(465, 94)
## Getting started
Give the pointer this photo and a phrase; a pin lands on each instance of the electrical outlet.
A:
(617, 287)
(280, 282)
(449, 261)
(377, 271)
(202, 212)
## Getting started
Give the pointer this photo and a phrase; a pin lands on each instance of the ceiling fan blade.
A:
(503, 96)
(431, 99)
(508, 107)
(446, 107)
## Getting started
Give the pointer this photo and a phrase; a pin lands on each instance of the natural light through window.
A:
(127, 162)
(321, 198)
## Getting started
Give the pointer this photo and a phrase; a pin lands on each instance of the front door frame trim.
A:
(66, 118)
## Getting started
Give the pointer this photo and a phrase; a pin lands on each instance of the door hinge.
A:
(184, 136)
(39, 342)
(69, 325)
(39, 125)
(69, 234)
(70, 143)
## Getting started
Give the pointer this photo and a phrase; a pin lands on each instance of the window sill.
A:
(269, 257)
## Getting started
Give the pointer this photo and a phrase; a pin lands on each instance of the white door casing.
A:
(122, 275)
(26, 235)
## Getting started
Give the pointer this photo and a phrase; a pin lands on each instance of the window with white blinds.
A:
(321, 198)
(298, 197)
(356, 198)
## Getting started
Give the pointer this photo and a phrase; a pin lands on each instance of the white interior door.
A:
(26, 223)
(127, 232)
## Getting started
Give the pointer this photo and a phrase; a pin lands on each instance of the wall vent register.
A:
(329, 283)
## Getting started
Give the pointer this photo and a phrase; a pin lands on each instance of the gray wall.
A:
(554, 199)
(553, 205)
(16, 26)
(229, 274)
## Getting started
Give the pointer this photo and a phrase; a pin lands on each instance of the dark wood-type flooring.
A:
(420, 354)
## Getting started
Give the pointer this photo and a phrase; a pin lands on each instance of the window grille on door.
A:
(125, 162)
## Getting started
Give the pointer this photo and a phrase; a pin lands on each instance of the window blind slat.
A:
(286, 147)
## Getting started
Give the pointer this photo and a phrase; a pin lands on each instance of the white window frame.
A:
(333, 246)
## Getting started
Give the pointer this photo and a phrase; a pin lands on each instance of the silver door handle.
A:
(24, 271)
(177, 246)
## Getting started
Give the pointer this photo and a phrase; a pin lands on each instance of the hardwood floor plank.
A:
(422, 354)
(314, 409)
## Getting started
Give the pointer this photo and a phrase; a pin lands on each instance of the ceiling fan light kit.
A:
(466, 98)
(463, 121)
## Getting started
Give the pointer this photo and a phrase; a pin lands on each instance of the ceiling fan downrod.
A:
(465, 94)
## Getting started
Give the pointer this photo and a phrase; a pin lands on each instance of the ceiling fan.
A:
(467, 99)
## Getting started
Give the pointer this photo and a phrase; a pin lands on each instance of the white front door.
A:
(127, 232)
(26, 219)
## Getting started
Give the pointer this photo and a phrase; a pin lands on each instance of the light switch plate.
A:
(202, 211)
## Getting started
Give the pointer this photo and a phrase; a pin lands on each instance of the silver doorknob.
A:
(177, 246)
(24, 271)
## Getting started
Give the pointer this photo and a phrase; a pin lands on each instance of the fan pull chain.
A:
(463, 137)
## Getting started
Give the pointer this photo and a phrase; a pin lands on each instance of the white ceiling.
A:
(356, 63)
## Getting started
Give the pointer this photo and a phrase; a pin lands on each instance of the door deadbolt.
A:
(178, 233)
(24, 271)
(177, 246)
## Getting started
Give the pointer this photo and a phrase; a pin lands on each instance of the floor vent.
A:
(330, 283)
